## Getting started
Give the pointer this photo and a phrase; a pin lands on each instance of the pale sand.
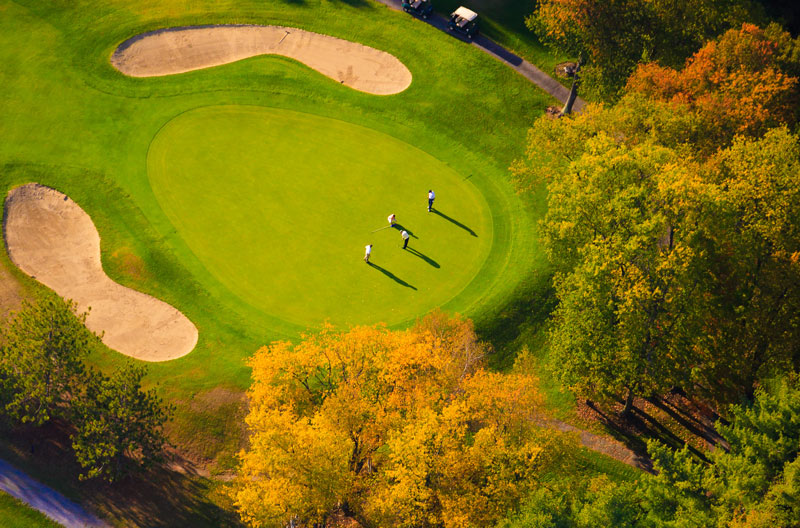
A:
(178, 50)
(52, 239)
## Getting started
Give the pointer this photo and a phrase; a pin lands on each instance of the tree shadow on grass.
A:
(645, 422)
(356, 3)
(392, 276)
(157, 497)
(454, 221)
(163, 497)
(423, 257)
(351, 3)
(523, 314)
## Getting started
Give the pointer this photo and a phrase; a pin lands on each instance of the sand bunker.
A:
(178, 50)
(52, 239)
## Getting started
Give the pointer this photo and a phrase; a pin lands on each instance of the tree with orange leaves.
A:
(394, 428)
(743, 83)
(613, 36)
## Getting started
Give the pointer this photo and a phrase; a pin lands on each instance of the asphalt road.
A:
(45, 499)
(523, 67)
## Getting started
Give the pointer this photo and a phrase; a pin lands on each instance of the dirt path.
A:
(49, 237)
(523, 67)
(605, 446)
(182, 49)
(45, 499)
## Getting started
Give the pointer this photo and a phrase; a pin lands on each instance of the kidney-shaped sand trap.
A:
(52, 239)
(178, 50)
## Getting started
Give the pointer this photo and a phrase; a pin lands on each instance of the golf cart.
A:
(422, 8)
(464, 21)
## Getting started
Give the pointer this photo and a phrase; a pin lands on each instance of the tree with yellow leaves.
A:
(676, 261)
(394, 428)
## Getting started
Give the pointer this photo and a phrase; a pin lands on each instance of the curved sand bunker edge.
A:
(50, 238)
(174, 50)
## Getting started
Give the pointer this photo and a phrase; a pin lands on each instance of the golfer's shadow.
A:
(454, 221)
(402, 228)
(392, 276)
(424, 257)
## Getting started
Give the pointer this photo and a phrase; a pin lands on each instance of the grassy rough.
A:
(70, 121)
(16, 514)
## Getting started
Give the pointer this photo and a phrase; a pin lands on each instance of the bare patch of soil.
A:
(11, 293)
(129, 264)
(220, 414)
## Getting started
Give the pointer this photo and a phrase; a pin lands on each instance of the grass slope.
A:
(72, 122)
(69, 120)
(16, 514)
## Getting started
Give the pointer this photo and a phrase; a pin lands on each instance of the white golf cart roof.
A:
(465, 13)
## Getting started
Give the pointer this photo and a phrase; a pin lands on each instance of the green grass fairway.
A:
(278, 205)
(244, 194)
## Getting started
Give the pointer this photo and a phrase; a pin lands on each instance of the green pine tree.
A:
(119, 427)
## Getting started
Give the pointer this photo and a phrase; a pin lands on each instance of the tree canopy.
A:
(615, 35)
(119, 426)
(676, 266)
(743, 83)
(396, 428)
(753, 483)
(43, 376)
(41, 359)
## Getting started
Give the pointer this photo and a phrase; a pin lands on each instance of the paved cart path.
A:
(45, 499)
(523, 67)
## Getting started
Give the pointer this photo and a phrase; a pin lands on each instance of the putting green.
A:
(278, 206)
